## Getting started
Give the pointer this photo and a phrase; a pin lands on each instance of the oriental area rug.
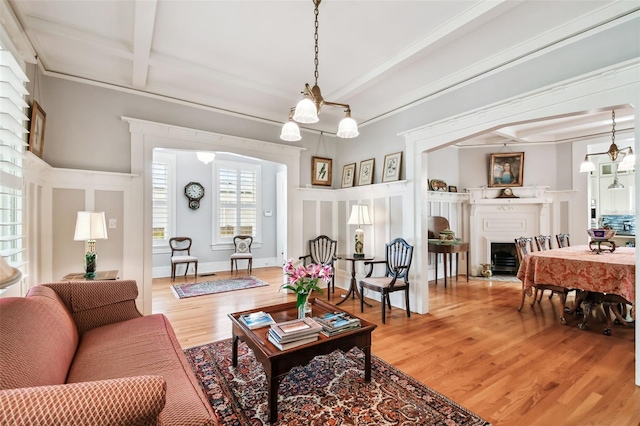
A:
(217, 286)
(330, 390)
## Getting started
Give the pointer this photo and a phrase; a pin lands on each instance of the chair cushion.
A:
(382, 282)
(183, 259)
(242, 256)
(242, 247)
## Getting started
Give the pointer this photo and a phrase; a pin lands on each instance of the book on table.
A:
(295, 329)
(290, 345)
(337, 322)
(257, 319)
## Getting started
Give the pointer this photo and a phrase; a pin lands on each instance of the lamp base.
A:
(90, 262)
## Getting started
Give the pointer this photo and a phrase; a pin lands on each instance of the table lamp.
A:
(359, 216)
(90, 226)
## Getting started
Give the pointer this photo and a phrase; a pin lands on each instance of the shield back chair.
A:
(398, 255)
(524, 246)
(322, 251)
(563, 240)
(180, 245)
(242, 251)
(543, 242)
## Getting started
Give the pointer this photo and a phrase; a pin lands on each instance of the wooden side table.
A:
(100, 276)
(448, 249)
(353, 287)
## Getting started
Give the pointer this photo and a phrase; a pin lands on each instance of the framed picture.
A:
(437, 185)
(348, 175)
(392, 166)
(506, 169)
(36, 132)
(366, 172)
(453, 188)
(321, 171)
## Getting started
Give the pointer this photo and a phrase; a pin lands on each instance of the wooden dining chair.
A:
(543, 242)
(563, 240)
(398, 255)
(180, 245)
(322, 251)
(242, 251)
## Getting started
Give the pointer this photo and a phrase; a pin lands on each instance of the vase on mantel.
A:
(304, 307)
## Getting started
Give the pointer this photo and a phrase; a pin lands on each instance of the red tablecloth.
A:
(577, 267)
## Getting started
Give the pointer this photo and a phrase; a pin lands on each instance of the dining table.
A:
(598, 276)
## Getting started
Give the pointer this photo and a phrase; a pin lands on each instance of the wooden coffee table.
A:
(278, 363)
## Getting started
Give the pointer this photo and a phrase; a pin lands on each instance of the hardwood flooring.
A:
(510, 367)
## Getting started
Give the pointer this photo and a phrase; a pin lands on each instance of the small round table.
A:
(436, 246)
(353, 287)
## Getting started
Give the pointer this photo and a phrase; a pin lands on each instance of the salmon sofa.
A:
(80, 353)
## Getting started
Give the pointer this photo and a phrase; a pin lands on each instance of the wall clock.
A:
(194, 191)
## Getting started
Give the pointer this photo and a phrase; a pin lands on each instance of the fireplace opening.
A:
(504, 259)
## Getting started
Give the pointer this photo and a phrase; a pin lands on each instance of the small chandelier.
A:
(307, 110)
(628, 162)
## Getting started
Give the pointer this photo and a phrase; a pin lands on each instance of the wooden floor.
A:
(510, 367)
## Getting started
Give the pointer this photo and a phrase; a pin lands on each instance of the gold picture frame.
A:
(392, 167)
(348, 175)
(366, 172)
(321, 171)
(506, 169)
(36, 130)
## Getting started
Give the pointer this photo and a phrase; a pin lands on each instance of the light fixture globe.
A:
(290, 132)
(348, 128)
(206, 157)
(587, 166)
(306, 112)
(616, 184)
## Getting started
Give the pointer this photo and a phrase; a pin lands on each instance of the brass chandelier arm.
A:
(613, 152)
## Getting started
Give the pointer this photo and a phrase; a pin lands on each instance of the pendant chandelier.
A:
(307, 110)
(627, 163)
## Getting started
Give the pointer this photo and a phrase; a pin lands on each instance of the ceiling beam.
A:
(143, 25)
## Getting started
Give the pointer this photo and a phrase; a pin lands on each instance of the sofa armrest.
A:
(134, 400)
(96, 303)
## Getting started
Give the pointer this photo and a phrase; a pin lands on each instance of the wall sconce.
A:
(90, 226)
(359, 216)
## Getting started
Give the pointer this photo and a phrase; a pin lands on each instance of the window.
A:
(238, 194)
(163, 185)
(12, 147)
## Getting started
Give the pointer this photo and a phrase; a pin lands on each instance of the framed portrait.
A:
(321, 171)
(453, 188)
(392, 166)
(348, 175)
(366, 172)
(36, 131)
(506, 169)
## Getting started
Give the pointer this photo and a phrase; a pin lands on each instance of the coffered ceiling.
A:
(253, 57)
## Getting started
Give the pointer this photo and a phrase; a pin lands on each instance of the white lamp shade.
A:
(587, 166)
(348, 128)
(290, 132)
(206, 157)
(359, 215)
(629, 163)
(306, 112)
(90, 226)
(8, 274)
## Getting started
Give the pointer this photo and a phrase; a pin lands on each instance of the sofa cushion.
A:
(145, 345)
(39, 340)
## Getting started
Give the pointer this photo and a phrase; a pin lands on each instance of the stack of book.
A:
(289, 334)
(257, 319)
(337, 322)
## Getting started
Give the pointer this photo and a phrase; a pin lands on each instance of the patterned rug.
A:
(217, 286)
(330, 390)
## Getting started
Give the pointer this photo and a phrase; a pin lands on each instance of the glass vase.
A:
(304, 307)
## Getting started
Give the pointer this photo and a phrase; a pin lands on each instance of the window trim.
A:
(161, 156)
(227, 243)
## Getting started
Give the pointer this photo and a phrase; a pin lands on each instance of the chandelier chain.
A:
(315, 37)
(613, 127)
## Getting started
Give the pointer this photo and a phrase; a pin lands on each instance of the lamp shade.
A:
(306, 111)
(348, 128)
(290, 132)
(206, 157)
(587, 166)
(359, 215)
(8, 274)
(90, 226)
